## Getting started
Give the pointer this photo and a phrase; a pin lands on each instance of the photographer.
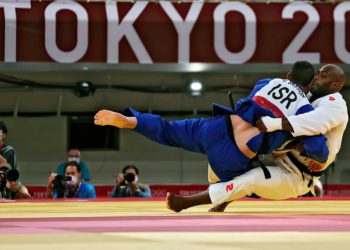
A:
(10, 187)
(128, 184)
(75, 155)
(7, 153)
(69, 185)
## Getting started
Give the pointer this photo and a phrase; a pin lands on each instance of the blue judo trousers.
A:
(210, 136)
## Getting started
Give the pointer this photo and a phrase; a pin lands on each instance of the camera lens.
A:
(130, 177)
(12, 175)
(60, 178)
(68, 178)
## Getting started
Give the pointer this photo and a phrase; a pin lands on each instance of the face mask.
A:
(73, 181)
(77, 159)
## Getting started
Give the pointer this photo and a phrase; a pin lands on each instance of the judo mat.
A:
(148, 224)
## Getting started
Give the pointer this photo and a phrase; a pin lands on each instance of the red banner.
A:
(39, 192)
(67, 31)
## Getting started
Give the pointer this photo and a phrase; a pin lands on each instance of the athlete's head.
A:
(329, 79)
(302, 73)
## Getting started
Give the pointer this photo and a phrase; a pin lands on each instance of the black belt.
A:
(302, 168)
(267, 173)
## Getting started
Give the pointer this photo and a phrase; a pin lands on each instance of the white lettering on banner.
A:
(291, 54)
(50, 31)
(220, 35)
(340, 31)
(11, 26)
(182, 27)
(117, 30)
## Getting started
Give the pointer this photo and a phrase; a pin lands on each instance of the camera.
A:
(130, 177)
(7, 174)
(62, 178)
(59, 184)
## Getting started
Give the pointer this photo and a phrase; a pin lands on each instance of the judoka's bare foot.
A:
(175, 202)
(107, 117)
(178, 203)
(219, 208)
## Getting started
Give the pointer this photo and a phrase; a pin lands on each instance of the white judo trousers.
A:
(285, 182)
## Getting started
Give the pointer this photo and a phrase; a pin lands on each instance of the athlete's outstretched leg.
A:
(190, 134)
(219, 194)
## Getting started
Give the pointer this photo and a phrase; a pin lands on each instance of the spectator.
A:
(69, 185)
(74, 155)
(7, 153)
(128, 184)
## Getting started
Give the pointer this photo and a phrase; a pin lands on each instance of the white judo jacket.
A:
(329, 117)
